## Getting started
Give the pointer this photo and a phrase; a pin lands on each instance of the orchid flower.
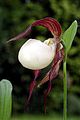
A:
(36, 55)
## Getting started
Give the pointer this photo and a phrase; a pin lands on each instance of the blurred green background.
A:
(15, 17)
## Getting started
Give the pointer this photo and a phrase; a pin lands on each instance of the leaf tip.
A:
(75, 22)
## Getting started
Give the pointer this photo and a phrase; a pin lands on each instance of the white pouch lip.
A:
(35, 54)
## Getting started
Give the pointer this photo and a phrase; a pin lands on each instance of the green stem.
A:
(65, 88)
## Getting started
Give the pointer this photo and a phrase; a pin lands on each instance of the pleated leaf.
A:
(5, 99)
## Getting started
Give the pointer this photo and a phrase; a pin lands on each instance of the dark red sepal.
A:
(21, 35)
(55, 23)
(50, 23)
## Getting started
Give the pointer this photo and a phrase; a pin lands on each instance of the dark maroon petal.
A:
(36, 74)
(33, 84)
(46, 92)
(31, 88)
(59, 55)
(53, 72)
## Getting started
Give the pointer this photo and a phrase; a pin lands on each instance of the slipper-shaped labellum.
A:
(37, 55)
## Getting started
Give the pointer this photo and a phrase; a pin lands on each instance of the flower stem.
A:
(65, 88)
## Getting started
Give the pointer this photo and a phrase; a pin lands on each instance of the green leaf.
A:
(5, 99)
(69, 35)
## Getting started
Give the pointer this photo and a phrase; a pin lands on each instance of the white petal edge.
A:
(35, 54)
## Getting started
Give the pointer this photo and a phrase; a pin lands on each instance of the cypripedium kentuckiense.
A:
(36, 55)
